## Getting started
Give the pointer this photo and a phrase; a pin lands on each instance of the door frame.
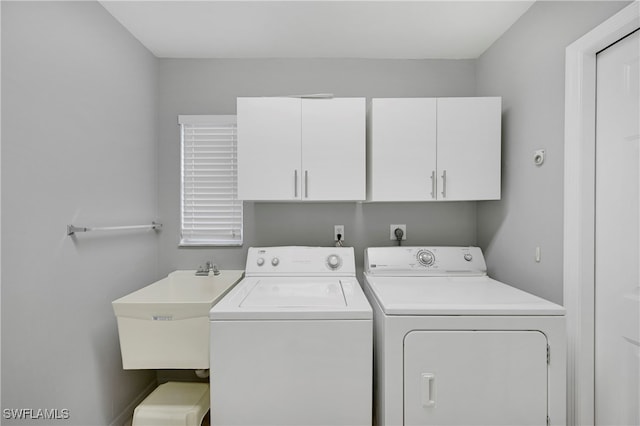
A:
(579, 207)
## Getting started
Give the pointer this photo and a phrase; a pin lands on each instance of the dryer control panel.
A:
(301, 261)
(425, 261)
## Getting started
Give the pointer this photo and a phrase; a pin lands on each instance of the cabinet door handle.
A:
(306, 184)
(444, 184)
(295, 183)
(433, 184)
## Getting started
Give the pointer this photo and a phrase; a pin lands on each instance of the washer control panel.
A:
(302, 261)
(425, 261)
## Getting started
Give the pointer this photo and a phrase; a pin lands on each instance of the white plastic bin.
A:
(174, 404)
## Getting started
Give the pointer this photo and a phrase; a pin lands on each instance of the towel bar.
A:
(71, 230)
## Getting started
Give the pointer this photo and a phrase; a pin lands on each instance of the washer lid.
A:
(278, 293)
(455, 296)
(294, 298)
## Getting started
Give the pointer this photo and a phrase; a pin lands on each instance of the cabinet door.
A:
(402, 149)
(333, 149)
(269, 152)
(469, 148)
(475, 378)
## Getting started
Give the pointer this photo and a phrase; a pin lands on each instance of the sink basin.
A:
(165, 325)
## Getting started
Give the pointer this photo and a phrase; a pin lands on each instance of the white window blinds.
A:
(210, 213)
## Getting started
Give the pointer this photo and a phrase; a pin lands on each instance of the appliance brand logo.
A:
(162, 317)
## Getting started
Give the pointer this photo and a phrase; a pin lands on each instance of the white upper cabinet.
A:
(469, 132)
(402, 149)
(268, 148)
(434, 149)
(301, 149)
(333, 149)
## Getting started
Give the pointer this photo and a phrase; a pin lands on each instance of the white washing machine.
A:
(291, 344)
(455, 347)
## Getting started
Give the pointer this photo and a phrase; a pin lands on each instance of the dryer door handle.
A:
(427, 389)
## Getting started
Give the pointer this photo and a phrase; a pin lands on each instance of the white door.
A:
(402, 150)
(475, 378)
(469, 148)
(269, 152)
(617, 294)
(333, 149)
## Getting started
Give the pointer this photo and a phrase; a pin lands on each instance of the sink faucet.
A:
(212, 267)
(209, 267)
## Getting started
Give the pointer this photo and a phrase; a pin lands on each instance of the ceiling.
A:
(317, 29)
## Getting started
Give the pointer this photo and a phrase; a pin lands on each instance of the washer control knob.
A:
(425, 257)
(275, 261)
(260, 261)
(334, 261)
(468, 257)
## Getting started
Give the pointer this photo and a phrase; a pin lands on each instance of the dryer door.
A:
(468, 377)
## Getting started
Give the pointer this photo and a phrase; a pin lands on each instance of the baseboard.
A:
(127, 413)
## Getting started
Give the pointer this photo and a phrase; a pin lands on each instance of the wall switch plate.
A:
(338, 229)
(392, 232)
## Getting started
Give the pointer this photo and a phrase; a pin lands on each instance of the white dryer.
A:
(455, 347)
(291, 344)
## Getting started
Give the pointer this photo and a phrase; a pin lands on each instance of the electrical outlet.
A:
(338, 229)
(392, 232)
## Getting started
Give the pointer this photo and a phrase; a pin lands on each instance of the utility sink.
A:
(165, 325)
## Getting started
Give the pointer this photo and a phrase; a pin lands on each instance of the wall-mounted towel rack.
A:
(71, 230)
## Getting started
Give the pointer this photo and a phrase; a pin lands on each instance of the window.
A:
(210, 212)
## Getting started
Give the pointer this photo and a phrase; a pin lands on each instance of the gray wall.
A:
(78, 146)
(211, 87)
(526, 67)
